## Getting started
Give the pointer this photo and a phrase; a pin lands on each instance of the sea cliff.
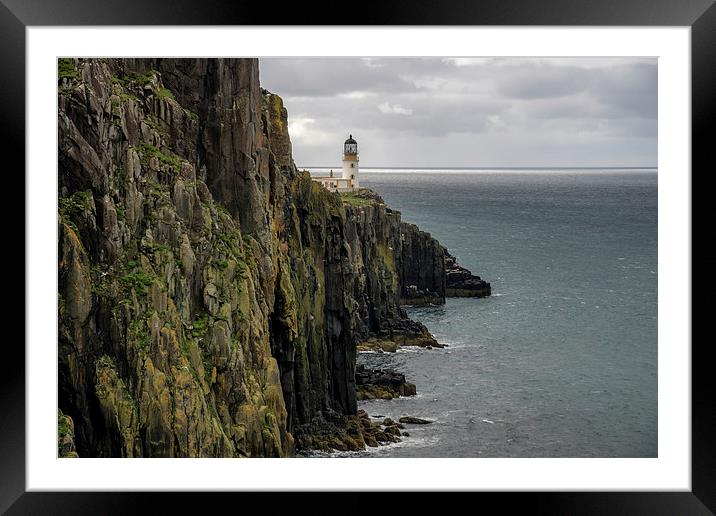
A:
(211, 296)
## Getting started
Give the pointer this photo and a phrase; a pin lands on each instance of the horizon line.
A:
(338, 167)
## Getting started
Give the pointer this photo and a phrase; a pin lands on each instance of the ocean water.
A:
(561, 361)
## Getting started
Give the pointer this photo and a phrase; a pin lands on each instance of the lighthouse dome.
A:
(350, 146)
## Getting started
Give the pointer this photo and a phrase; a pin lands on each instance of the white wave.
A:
(382, 448)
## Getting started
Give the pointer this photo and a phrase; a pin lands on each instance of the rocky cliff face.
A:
(419, 259)
(422, 268)
(211, 295)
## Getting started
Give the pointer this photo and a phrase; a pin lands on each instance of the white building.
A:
(348, 179)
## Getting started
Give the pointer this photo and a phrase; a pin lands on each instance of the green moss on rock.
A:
(66, 69)
(65, 436)
(147, 151)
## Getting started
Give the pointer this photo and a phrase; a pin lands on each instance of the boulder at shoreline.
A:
(412, 420)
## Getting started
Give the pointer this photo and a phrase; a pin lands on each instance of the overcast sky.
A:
(463, 112)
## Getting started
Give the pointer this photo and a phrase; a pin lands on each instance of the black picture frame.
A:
(700, 15)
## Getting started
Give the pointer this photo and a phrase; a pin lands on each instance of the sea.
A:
(561, 360)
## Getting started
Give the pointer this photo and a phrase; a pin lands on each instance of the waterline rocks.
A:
(412, 420)
(407, 332)
(378, 345)
(383, 384)
(460, 282)
(334, 432)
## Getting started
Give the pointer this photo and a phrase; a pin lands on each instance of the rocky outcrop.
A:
(460, 282)
(332, 431)
(210, 294)
(412, 420)
(406, 332)
(427, 272)
(422, 267)
(417, 257)
(65, 437)
(377, 345)
(382, 384)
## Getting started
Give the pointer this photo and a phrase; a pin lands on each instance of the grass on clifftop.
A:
(355, 199)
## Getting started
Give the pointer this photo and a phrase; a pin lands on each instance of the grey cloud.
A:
(541, 82)
(630, 89)
(511, 109)
(429, 115)
(317, 77)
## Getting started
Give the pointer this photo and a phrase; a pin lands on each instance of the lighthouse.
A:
(350, 162)
(347, 180)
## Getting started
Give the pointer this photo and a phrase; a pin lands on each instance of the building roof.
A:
(350, 140)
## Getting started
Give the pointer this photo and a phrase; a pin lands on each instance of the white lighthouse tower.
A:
(350, 162)
(348, 179)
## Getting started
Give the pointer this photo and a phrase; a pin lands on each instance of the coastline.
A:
(211, 294)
